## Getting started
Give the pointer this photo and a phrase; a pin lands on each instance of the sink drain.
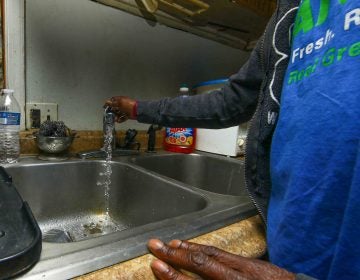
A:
(93, 228)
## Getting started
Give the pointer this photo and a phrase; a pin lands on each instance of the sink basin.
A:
(211, 173)
(87, 226)
(66, 197)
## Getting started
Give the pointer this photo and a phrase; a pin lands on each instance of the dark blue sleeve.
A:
(233, 104)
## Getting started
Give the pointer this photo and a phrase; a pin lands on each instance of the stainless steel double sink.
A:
(162, 195)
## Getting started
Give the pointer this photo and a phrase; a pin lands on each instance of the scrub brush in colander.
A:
(54, 128)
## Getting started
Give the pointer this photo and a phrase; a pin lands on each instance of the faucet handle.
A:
(152, 137)
(129, 141)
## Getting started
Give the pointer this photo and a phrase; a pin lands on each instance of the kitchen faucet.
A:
(125, 150)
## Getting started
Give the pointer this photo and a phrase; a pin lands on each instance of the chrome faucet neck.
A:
(109, 121)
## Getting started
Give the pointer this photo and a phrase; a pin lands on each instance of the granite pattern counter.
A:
(245, 238)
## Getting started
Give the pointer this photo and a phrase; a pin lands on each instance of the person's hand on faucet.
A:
(123, 107)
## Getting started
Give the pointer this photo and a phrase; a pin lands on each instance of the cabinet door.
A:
(238, 23)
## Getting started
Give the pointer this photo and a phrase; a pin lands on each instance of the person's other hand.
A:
(209, 263)
(124, 107)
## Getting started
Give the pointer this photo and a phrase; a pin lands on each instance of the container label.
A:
(179, 136)
(9, 118)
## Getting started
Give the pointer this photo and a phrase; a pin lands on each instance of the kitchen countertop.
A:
(245, 238)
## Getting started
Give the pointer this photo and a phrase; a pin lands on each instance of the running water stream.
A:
(106, 174)
(106, 223)
(92, 225)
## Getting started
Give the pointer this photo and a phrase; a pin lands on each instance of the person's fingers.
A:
(234, 261)
(113, 102)
(193, 261)
(107, 102)
(120, 118)
(165, 272)
(122, 105)
(258, 269)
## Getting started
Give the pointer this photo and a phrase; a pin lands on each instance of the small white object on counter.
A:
(227, 141)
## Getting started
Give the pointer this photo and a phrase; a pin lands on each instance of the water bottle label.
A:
(9, 118)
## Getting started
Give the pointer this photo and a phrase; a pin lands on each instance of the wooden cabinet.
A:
(237, 23)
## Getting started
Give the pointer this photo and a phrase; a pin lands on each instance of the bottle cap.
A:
(184, 88)
(7, 91)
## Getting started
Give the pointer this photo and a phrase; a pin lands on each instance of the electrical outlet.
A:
(37, 113)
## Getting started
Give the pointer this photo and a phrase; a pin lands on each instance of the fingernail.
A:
(175, 243)
(156, 244)
(160, 266)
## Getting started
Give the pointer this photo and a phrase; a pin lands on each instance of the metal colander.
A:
(52, 144)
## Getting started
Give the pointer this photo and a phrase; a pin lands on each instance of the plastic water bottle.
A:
(9, 127)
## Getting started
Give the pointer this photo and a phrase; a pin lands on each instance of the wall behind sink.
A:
(78, 53)
(1, 55)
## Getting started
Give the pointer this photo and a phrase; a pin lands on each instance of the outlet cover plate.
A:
(48, 111)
